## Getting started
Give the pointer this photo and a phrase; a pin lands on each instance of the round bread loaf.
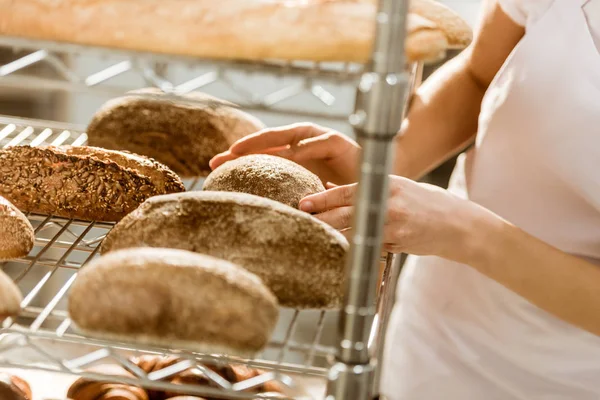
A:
(266, 176)
(16, 233)
(183, 132)
(10, 297)
(14, 388)
(300, 258)
(173, 298)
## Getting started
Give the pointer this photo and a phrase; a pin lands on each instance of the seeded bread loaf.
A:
(300, 258)
(81, 182)
(169, 297)
(10, 297)
(314, 30)
(182, 132)
(266, 176)
(16, 233)
(14, 388)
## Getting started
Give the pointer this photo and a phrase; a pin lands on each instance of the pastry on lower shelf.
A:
(14, 388)
(267, 176)
(175, 299)
(87, 389)
(183, 132)
(312, 30)
(10, 297)
(81, 182)
(300, 258)
(16, 233)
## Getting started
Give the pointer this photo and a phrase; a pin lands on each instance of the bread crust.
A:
(16, 233)
(266, 176)
(315, 30)
(79, 182)
(183, 132)
(300, 258)
(167, 297)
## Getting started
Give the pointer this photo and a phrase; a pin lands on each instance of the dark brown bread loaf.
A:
(266, 176)
(300, 258)
(10, 297)
(86, 389)
(184, 133)
(14, 388)
(16, 233)
(81, 182)
(169, 297)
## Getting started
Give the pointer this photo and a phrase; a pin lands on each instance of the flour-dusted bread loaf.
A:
(333, 30)
(267, 176)
(10, 297)
(81, 182)
(182, 132)
(300, 258)
(16, 233)
(175, 299)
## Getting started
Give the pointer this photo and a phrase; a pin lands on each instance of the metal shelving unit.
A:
(348, 363)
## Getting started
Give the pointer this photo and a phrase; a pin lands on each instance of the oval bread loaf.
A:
(300, 258)
(169, 297)
(81, 182)
(266, 176)
(182, 132)
(16, 233)
(10, 297)
(13, 387)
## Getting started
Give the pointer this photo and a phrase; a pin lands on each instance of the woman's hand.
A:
(327, 153)
(421, 219)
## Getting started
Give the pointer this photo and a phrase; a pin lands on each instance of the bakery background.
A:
(275, 100)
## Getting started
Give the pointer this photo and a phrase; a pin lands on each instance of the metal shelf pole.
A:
(378, 113)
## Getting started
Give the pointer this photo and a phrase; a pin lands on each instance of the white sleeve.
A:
(524, 12)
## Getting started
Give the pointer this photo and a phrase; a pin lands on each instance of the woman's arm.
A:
(443, 116)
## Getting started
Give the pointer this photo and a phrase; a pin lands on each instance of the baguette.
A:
(169, 297)
(10, 297)
(184, 134)
(312, 30)
(16, 233)
(300, 258)
(267, 176)
(81, 182)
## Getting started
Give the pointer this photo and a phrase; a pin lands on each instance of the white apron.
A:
(456, 334)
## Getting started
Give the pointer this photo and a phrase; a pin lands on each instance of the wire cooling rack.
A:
(42, 337)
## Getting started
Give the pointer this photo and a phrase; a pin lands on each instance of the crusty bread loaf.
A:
(293, 29)
(81, 182)
(169, 297)
(266, 176)
(87, 389)
(13, 387)
(300, 258)
(16, 233)
(10, 297)
(180, 133)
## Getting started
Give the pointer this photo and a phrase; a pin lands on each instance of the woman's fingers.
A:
(339, 196)
(274, 137)
(340, 218)
(221, 158)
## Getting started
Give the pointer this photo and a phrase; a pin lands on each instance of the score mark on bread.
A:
(300, 258)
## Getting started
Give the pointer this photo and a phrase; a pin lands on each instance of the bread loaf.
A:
(10, 297)
(177, 298)
(180, 133)
(300, 258)
(266, 176)
(16, 233)
(87, 389)
(313, 30)
(14, 388)
(81, 182)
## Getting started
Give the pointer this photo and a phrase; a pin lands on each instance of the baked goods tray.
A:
(115, 71)
(42, 337)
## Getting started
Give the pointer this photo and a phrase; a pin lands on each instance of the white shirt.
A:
(456, 334)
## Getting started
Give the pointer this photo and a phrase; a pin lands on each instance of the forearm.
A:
(441, 121)
(564, 285)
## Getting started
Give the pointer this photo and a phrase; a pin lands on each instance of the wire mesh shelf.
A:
(42, 338)
(116, 71)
